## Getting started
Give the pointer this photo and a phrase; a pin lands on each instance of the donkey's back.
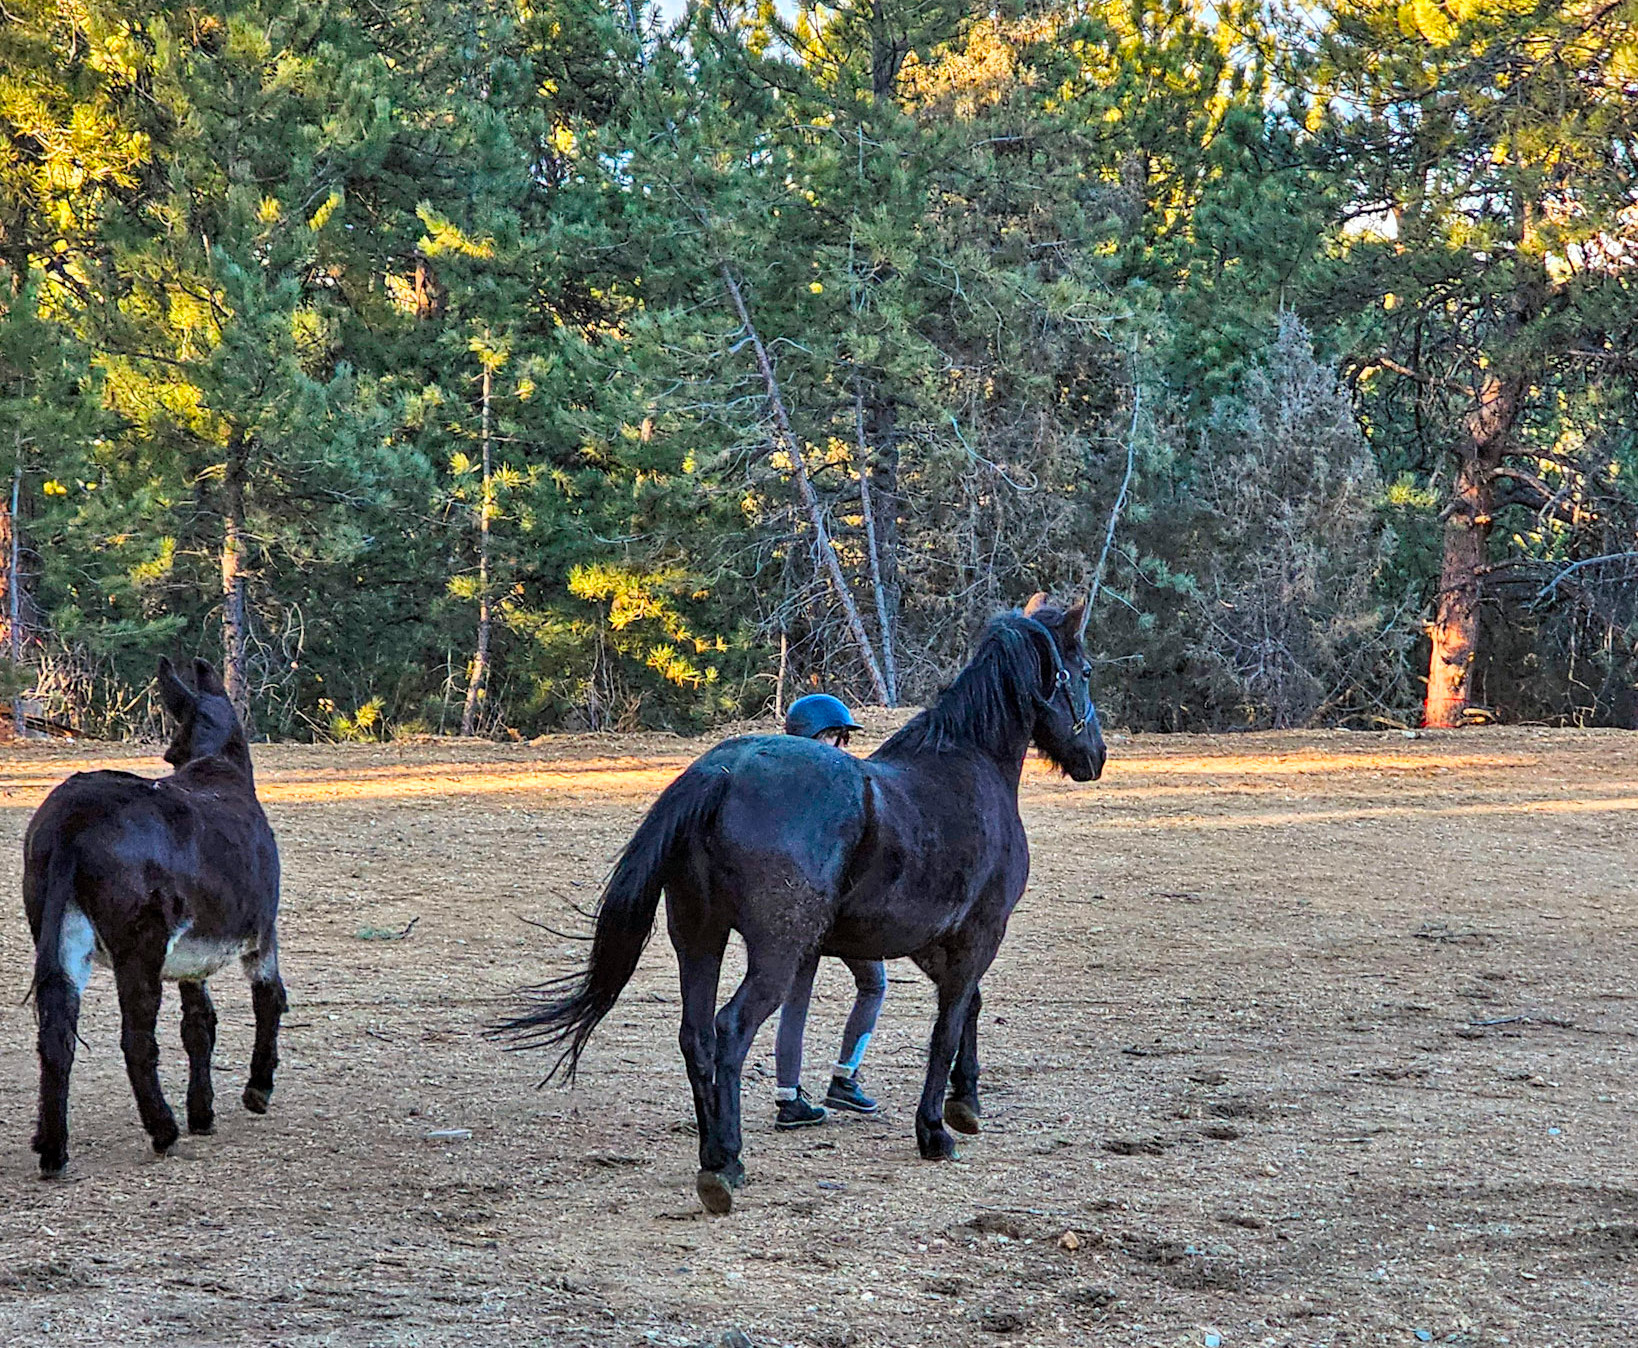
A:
(193, 850)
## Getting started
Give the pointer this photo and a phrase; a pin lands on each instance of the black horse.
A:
(162, 879)
(801, 848)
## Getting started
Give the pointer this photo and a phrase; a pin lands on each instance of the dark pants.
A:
(871, 976)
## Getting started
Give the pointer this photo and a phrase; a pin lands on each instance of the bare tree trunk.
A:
(810, 498)
(12, 541)
(1455, 627)
(1120, 498)
(784, 664)
(235, 673)
(477, 686)
(887, 52)
(884, 617)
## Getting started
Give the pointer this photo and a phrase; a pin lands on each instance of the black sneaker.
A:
(798, 1113)
(844, 1093)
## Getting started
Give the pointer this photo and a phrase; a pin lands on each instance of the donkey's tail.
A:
(56, 894)
(564, 1011)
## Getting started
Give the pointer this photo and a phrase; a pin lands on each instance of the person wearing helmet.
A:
(822, 717)
(819, 716)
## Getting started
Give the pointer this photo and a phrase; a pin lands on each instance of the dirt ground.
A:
(1296, 1039)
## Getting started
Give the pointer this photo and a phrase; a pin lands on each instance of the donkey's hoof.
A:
(256, 1099)
(716, 1191)
(936, 1144)
(962, 1115)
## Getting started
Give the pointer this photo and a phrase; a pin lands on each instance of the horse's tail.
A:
(565, 1010)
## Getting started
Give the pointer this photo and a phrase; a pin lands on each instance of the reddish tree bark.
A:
(1455, 627)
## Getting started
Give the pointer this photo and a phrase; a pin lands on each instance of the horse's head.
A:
(1066, 723)
(206, 724)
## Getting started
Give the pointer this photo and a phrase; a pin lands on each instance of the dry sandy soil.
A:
(1306, 1039)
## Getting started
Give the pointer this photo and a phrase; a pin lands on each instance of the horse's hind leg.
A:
(268, 999)
(199, 1038)
(137, 974)
(765, 986)
(961, 1109)
(699, 973)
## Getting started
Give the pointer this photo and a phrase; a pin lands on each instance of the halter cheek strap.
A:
(1060, 682)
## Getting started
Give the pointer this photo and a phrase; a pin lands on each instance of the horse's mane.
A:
(989, 698)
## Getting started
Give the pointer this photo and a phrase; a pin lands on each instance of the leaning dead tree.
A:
(786, 439)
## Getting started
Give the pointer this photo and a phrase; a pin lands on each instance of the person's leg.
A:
(844, 1092)
(871, 978)
(793, 1023)
(794, 1111)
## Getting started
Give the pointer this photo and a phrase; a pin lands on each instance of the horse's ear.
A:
(176, 695)
(1037, 601)
(209, 681)
(1075, 620)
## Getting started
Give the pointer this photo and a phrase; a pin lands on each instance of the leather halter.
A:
(1060, 683)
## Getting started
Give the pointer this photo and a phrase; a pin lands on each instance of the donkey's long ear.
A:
(209, 681)
(1037, 601)
(176, 695)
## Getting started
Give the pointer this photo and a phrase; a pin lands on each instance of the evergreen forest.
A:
(523, 365)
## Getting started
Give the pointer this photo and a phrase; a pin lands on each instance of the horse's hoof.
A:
(937, 1145)
(202, 1127)
(256, 1099)
(962, 1115)
(164, 1138)
(716, 1191)
(52, 1166)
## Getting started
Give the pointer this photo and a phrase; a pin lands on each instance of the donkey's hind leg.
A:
(137, 975)
(268, 999)
(199, 1038)
(57, 1000)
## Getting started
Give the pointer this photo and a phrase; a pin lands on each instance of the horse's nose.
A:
(1100, 752)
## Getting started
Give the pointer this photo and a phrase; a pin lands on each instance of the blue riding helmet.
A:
(815, 714)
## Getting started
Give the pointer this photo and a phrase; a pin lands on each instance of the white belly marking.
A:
(189, 959)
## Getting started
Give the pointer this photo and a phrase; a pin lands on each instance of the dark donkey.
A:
(167, 879)
(805, 850)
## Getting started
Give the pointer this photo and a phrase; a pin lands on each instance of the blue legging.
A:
(871, 976)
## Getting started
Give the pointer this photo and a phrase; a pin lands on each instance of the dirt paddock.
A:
(1296, 1039)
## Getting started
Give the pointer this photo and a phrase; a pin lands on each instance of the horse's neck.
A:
(1008, 755)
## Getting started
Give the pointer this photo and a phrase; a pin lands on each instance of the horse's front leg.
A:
(199, 1039)
(961, 1109)
(954, 996)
